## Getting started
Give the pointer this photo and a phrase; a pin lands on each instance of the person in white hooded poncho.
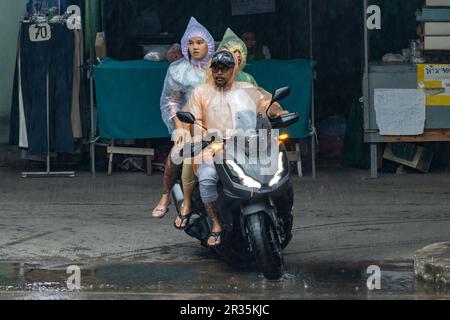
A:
(183, 76)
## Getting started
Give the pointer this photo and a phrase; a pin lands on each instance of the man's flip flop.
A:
(216, 236)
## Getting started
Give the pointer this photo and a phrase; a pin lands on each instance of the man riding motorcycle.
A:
(213, 104)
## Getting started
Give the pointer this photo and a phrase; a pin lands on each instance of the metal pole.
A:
(91, 89)
(101, 13)
(313, 108)
(48, 122)
(366, 40)
(92, 147)
(367, 96)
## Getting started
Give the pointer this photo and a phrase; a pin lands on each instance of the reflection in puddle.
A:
(216, 280)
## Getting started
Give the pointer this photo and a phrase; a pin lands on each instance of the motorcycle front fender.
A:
(253, 208)
(262, 208)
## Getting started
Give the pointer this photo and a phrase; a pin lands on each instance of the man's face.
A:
(249, 40)
(198, 48)
(222, 74)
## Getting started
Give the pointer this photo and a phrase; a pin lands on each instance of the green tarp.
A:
(297, 74)
(128, 94)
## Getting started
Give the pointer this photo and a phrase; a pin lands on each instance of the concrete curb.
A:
(432, 263)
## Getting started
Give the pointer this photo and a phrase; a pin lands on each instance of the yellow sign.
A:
(434, 79)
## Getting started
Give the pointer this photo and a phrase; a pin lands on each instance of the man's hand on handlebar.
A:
(278, 112)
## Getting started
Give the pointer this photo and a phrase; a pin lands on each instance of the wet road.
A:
(343, 224)
(214, 280)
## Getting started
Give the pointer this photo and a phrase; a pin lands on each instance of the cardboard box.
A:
(410, 155)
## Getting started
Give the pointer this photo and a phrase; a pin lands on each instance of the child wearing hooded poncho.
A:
(235, 45)
(183, 76)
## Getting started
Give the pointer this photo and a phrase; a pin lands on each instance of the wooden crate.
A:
(410, 155)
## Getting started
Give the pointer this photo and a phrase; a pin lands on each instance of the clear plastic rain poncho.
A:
(235, 107)
(184, 75)
(232, 42)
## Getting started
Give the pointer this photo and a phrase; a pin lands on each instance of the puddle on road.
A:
(218, 280)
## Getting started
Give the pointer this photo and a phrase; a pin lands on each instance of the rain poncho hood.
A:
(232, 42)
(184, 75)
(195, 29)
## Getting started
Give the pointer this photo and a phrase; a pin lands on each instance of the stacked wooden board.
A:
(435, 18)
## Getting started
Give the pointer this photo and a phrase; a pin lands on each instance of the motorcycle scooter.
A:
(255, 209)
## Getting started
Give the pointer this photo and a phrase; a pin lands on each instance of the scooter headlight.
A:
(279, 174)
(245, 180)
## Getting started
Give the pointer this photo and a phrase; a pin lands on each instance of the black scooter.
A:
(254, 209)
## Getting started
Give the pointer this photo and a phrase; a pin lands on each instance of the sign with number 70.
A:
(40, 32)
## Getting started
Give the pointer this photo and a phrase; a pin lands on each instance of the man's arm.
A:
(194, 106)
(275, 110)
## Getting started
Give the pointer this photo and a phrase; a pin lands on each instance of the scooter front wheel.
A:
(265, 245)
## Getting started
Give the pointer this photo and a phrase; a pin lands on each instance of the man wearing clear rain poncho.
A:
(234, 44)
(183, 76)
(223, 105)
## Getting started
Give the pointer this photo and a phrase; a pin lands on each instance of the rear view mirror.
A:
(280, 94)
(277, 96)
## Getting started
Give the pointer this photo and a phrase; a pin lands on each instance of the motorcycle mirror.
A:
(186, 117)
(280, 94)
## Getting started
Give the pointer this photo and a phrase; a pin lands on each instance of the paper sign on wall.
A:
(243, 7)
(434, 80)
(400, 112)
